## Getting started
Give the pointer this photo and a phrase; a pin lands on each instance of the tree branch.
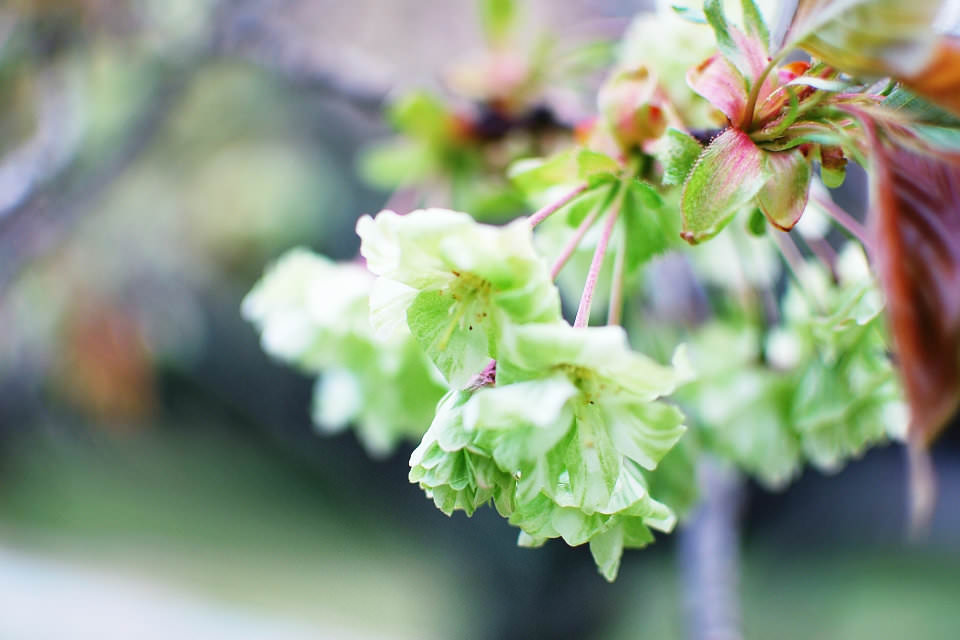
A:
(709, 551)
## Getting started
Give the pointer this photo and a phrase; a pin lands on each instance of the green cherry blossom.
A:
(314, 314)
(456, 282)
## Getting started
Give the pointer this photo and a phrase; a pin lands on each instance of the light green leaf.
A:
(677, 152)
(591, 164)
(714, 13)
(498, 18)
(871, 37)
(581, 206)
(918, 110)
(651, 227)
(313, 313)
(754, 23)
(422, 116)
(747, 54)
(727, 176)
(396, 162)
(533, 176)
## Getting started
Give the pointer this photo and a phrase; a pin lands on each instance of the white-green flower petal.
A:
(644, 432)
(456, 283)
(598, 355)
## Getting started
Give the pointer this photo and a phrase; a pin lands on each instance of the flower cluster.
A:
(559, 431)
(564, 429)
(819, 386)
(314, 313)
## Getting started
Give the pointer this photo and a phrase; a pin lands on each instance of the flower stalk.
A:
(586, 299)
(539, 216)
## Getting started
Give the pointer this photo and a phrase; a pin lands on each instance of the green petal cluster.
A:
(456, 283)
(818, 388)
(561, 442)
(314, 314)
(846, 395)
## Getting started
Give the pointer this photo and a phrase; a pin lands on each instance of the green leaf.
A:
(593, 164)
(714, 13)
(455, 474)
(601, 354)
(651, 228)
(581, 206)
(754, 23)
(944, 138)
(422, 116)
(395, 163)
(644, 432)
(533, 176)
(727, 176)
(521, 421)
(498, 17)
(677, 152)
(674, 481)
(757, 223)
(868, 37)
(919, 110)
(747, 53)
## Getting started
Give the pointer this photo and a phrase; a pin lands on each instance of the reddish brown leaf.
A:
(939, 82)
(916, 226)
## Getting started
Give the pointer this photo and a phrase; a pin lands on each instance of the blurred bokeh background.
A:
(159, 475)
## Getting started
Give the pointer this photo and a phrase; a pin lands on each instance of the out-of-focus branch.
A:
(51, 197)
(42, 220)
(710, 556)
(243, 33)
(50, 147)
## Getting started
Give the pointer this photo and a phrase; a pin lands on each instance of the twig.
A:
(709, 552)
(923, 487)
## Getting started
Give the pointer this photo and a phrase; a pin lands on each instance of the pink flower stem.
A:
(575, 240)
(791, 254)
(824, 252)
(544, 213)
(583, 311)
(789, 251)
(845, 220)
(615, 310)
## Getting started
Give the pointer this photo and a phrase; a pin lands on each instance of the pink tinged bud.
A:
(784, 197)
(633, 107)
